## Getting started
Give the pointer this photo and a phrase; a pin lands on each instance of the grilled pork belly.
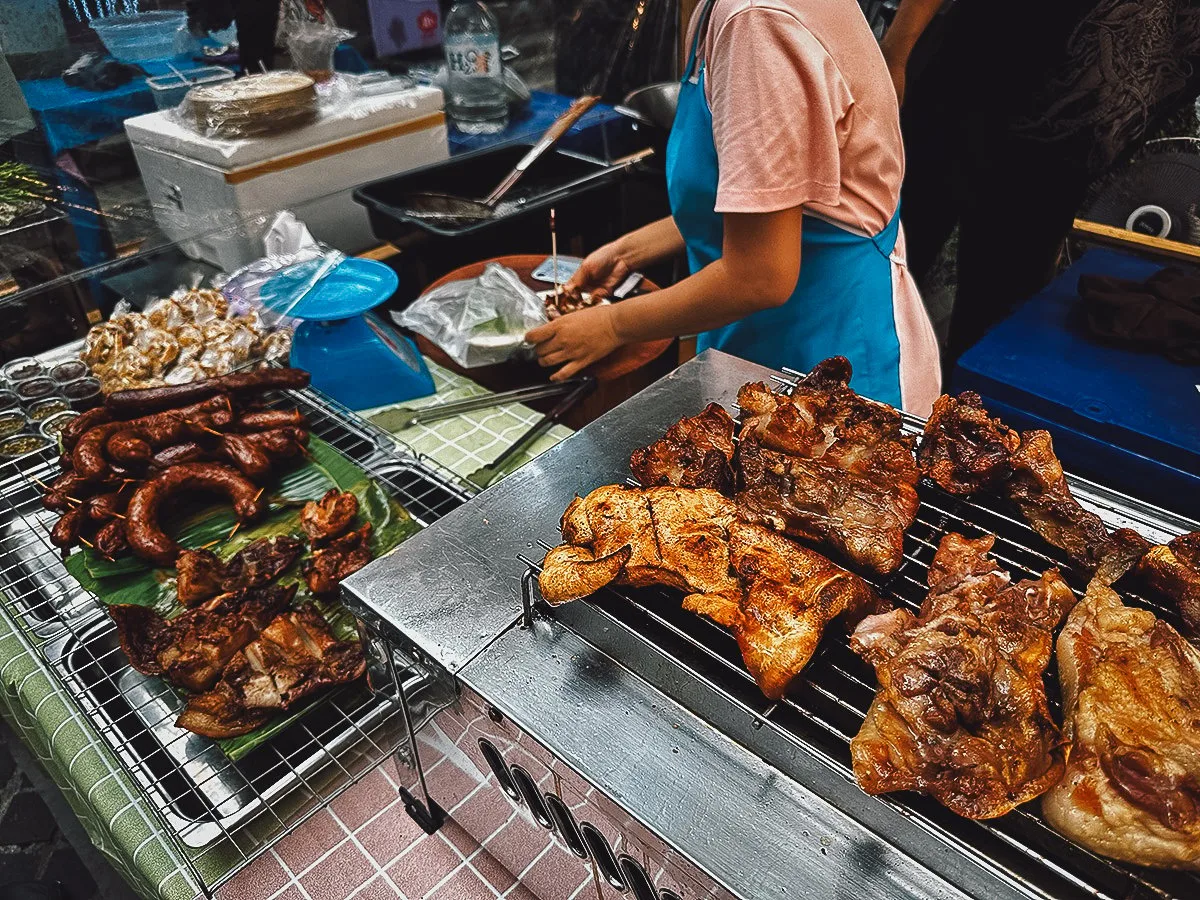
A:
(202, 574)
(961, 711)
(696, 452)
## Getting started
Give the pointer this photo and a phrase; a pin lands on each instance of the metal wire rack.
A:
(220, 814)
(826, 705)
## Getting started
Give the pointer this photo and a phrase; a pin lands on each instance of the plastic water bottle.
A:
(477, 101)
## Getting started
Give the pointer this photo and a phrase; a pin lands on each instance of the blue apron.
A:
(842, 305)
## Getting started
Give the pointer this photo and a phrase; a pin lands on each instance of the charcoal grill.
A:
(220, 814)
(630, 716)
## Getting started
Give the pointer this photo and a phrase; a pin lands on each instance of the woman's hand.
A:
(603, 269)
(576, 340)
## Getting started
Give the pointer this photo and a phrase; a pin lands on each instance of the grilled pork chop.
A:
(193, 648)
(961, 711)
(330, 517)
(963, 449)
(696, 452)
(828, 466)
(1131, 698)
(202, 574)
(1174, 571)
(295, 656)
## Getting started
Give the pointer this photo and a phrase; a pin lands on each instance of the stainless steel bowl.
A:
(653, 104)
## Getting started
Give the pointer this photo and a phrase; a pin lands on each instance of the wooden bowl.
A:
(620, 375)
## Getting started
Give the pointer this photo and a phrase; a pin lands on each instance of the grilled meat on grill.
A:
(696, 452)
(193, 648)
(295, 656)
(961, 711)
(1131, 698)
(202, 574)
(676, 537)
(330, 517)
(790, 595)
(829, 466)
(1174, 570)
(341, 559)
(963, 449)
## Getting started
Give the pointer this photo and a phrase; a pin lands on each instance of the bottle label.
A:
(473, 59)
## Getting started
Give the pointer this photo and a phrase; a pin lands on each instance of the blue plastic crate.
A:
(1127, 419)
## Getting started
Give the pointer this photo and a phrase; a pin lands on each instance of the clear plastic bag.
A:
(255, 105)
(479, 321)
(312, 45)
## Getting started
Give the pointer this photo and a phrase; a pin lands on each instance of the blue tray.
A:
(1130, 420)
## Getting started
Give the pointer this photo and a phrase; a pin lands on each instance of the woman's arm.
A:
(758, 269)
(608, 266)
(911, 20)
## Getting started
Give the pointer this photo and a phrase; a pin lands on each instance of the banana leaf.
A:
(132, 581)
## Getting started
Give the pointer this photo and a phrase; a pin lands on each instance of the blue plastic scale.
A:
(353, 356)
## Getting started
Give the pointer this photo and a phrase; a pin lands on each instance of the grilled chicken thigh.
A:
(961, 711)
(1131, 696)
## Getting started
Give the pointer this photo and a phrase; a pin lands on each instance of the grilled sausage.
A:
(111, 540)
(128, 448)
(64, 490)
(280, 443)
(272, 418)
(77, 427)
(105, 507)
(65, 532)
(146, 537)
(250, 460)
(191, 451)
(88, 455)
(149, 400)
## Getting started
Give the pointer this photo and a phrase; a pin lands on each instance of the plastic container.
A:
(12, 421)
(44, 409)
(22, 369)
(70, 370)
(142, 36)
(83, 394)
(54, 425)
(22, 445)
(169, 90)
(37, 389)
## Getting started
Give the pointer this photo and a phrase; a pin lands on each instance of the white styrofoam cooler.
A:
(208, 194)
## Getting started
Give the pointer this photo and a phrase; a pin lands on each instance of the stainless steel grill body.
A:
(651, 710)
(221, 814)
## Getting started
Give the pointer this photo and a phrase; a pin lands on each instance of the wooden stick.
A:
(87, 543)
(210, 544)
(259, 494)
(554, 257)
(236, 526)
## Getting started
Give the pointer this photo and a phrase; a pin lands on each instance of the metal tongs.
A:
(406, 416)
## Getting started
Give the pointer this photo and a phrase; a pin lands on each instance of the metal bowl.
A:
(653, 104)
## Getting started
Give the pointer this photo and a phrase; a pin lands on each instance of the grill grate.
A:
(220, 814)
(826, 706)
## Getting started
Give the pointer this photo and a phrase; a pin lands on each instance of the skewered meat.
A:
(961, 711)
(964, 450)
(111, 540)
(1131, 697)
(696, 452)
(192, 649)
(828, 466)
(1174, 570)
(295, 656)
(676, 537)
(149, 400)
(66, 530)
(790, 595)
(202, 574)
(270, 419)
(146, 537)
(341, 559)
(330, 517)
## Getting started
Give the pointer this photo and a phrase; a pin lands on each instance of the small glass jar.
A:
(12, 421)
(9, 400)
(53, 425)
(44, 409)
(71, 370)
(22, 369)
(22, 445)
(37, 389)
(83, 393)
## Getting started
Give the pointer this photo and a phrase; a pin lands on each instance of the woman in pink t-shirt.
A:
(784, 171)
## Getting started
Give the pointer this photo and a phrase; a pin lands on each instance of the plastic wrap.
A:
(478, 321)
(312, 45)
(250, 106)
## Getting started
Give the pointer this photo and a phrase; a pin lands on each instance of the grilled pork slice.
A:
(341, 559)
(1131, 697)
(330, 517)
(676, 537)
(202, 574)
(696, 452)
(964, 450)
(828, 466)
(294, 657)
(192, 649)
(1174, 571)
(961, 711)
(790, 595)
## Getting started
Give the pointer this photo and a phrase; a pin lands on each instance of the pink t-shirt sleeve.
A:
(780, 114)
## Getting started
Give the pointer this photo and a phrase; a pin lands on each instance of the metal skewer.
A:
(554, 257)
